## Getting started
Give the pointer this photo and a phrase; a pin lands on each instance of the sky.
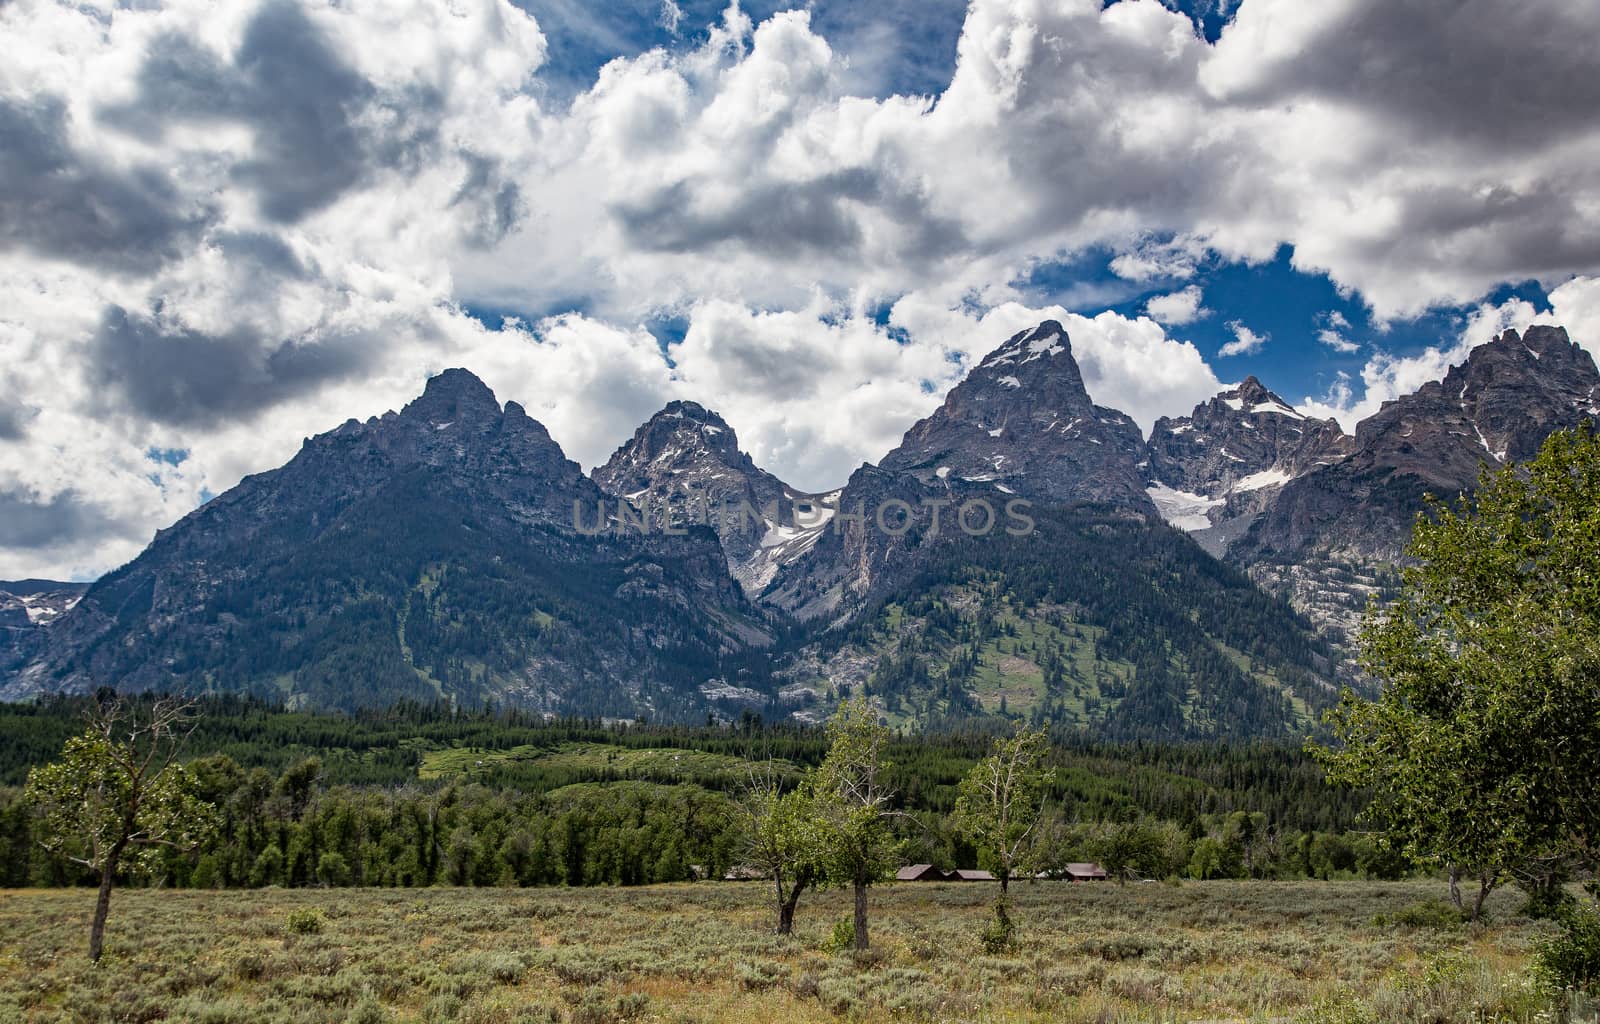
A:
(226, 227)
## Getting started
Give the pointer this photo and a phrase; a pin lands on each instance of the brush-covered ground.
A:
(1320, 952)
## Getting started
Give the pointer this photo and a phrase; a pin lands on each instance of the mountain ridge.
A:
(440, 552)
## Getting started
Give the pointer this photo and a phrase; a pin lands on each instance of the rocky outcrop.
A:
(1495, 408)
(1214, 471)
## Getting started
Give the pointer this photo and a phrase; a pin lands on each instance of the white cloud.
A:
(290, 203)
(1245, 341)
(1331, 338)
(1177, 308)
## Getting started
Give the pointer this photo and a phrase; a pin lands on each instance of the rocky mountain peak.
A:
(455, 394)
(1213, 471)
(1252, 389)
(685, 444)
(450, 550)
(684, 464)
(1023, 423)
(1497, 406)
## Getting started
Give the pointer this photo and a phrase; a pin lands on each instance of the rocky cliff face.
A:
(1214, 471)
(1330, 538)
(450, 550)
(27, 609)
(1021, 427)
(684, 466)
(426, 554)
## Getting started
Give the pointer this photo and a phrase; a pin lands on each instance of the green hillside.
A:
(1098, 622)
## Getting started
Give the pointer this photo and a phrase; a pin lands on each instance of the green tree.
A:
(118, 796)
(1124, 848)
(781, 839)
(853, 805)
(998, 808)
(1209, 859)
(1482, 751)
(1000, 802)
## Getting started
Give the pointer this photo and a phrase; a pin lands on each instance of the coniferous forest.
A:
(421, 795)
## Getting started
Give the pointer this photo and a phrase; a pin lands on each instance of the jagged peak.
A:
(1251, 397)
(1539, 340)
(694, 412)
(1542, 349)
(1251, 387)
(453, 392)
(1047, 339)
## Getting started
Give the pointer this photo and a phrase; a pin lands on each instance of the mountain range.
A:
(1023, 551)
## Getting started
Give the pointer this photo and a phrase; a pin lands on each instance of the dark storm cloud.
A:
(182, 377)
(785, 219)
(1500, 74)
(320, 128)
(59, 203)
(26, 522)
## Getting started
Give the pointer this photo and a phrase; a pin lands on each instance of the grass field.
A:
(1214, 951)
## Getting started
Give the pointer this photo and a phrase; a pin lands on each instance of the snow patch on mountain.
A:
(1182, 509)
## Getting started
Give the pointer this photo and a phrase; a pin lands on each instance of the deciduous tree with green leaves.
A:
(998, 808)
(119, 798)
(1000, 802)
(782, 839)
(1482, 750)
(853, 805)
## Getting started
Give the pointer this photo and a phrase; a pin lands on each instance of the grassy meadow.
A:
(1318, 952)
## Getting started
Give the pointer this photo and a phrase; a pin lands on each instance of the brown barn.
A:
(966, 875)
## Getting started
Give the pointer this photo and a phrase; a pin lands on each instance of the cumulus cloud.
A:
(14, 413)
(1245, 341)
(1177, 308)
(1331, 338)
(60, 203)
(222, 227)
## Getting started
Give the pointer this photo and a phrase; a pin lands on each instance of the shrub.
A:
(306, 921)
(597, 1009)
(999, 933)
(843, 937)
(442, 1008)
(1571, 960)
(1550, 902)
(1435, 914)
(368, 1011)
